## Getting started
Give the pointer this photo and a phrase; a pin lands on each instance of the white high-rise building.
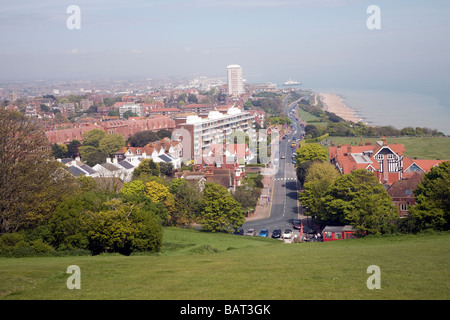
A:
(235, 80)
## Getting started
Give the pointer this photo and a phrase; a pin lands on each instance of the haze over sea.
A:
(401, 106)
(397, 108)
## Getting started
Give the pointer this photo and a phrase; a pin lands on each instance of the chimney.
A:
(349, 149)
(384, 141)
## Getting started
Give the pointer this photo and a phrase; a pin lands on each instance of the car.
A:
(294, 161)
(287, 234)
(239, 232)
(251, 232)
(297, 224)
(264, 233)
(276, 233)
(283, 157)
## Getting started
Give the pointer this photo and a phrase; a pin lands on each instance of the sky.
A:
(322, 43)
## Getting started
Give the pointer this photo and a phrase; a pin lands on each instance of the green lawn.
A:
(419, 147)
(196, 265)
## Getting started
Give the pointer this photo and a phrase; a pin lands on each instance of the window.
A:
(408, 192)
(328, 235)
(403, 207)
(338, 235)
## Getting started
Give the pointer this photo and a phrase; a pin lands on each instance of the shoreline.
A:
(334, 103)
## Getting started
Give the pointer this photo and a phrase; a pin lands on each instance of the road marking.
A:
(282, 179)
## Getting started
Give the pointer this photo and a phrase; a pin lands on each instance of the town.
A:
(246, 139)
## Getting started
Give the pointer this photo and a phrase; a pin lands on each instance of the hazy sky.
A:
(319, 42)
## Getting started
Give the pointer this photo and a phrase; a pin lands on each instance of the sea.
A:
(400, 106)
(396, 108)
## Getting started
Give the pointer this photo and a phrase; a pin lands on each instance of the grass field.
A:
(195, 265)
(419, 147)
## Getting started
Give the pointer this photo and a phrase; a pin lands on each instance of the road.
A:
(284, 195)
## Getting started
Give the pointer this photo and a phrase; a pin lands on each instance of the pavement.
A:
(262, 209)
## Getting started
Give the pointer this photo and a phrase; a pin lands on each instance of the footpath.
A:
(262, 209)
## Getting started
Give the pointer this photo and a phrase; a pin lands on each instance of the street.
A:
(284, 194)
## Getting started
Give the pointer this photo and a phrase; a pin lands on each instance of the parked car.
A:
(287, 234)
(251, 232)
(297, 224)
(239, 232)
(276, 233)
(264, 233)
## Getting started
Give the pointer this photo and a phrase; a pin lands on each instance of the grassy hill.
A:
(195, 265)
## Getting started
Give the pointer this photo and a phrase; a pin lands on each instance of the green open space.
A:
(433, 148)
(197, 265)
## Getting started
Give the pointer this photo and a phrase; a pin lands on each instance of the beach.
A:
(333, 103)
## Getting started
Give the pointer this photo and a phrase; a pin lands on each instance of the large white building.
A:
(235, 80)
(198, 133)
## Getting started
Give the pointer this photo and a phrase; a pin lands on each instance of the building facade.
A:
(235, 80)
(198, 134)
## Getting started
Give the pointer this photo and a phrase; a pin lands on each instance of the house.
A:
(78, 168)
(112, 168)
(332, 233)
(165, 150)
(384, 160)
(402, 193)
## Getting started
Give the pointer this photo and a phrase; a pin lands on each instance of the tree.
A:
(142, 138)
(146, 168)
(320, 176)
(432, 208)
(123, 228)
(311, 152)
(32, 183)
(93, 137)
(128, 114)
(72, 148)
(360, 200)
(111, 143)
(59, 150)
(219, 211)
(159, 193)
(187, 197)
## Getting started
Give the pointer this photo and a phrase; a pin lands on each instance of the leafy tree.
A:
(311, 152)
(360, 200)
(219, 211)
(187, 201)
(146, 168)
(159, 193)
(134, 188)
(302, 170)
(32, 183)
(320, 176)
(111, 143)
(91, 155)
(142, 138)
(93, 137)
(123, 228)
(59, 150)
(166, 169)
(432, 208)
(128, 114)
(72, 148)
